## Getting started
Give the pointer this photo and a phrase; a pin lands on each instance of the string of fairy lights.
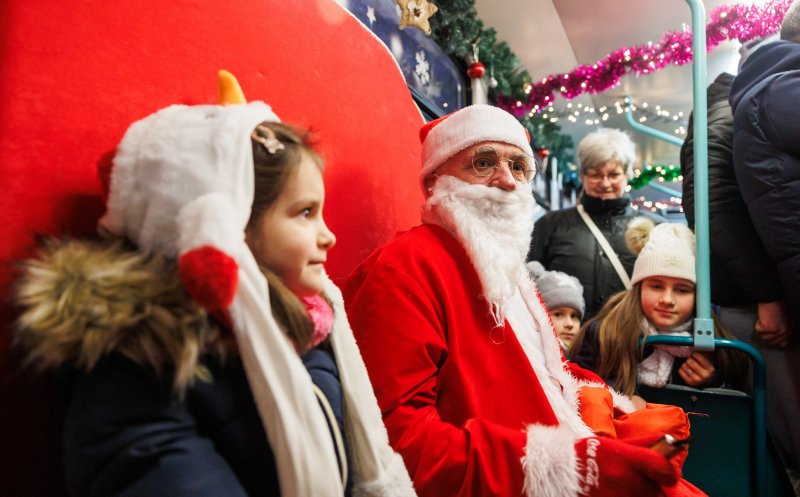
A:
(662, 174)
(588, 115)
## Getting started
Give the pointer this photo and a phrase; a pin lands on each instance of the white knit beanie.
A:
(664, 250)
(450, 134)
(557, 289)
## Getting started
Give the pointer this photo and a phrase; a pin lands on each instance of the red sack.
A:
(597, 411)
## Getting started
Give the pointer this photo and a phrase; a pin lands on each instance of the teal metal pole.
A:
(703, 325)
(651, 131)
(657, 133)
(664, 189)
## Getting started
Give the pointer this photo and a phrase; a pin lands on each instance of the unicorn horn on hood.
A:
(230, 93)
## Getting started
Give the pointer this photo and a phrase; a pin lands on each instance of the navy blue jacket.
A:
(765, 98)
(127, 434)
(741, 271)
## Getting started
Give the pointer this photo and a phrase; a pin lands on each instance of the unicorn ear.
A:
(229, 90)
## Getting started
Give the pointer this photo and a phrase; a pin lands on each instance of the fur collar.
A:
(79, 301)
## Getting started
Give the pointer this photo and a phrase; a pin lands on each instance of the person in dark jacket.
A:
(208, 352)
(745, 285)
(564, 242)
(766, 158)
(742, 274)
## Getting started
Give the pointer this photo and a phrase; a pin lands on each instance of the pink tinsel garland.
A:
(740, 22)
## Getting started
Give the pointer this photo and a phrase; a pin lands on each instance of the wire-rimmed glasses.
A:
(486, 160)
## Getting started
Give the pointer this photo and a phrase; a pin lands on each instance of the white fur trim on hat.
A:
(447, 136)
(669, 251)
(153, 180)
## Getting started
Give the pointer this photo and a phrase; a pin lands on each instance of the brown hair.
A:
(273, 169)
(620, 329)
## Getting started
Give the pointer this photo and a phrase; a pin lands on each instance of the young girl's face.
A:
(666, 301)
(567, 322)
(291, 238)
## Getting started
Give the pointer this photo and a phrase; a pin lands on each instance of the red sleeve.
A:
(584, 374)
(397, 321)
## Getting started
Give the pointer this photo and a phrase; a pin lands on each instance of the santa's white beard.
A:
(495, 227)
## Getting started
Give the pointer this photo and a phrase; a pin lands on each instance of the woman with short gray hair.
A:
(587, 241)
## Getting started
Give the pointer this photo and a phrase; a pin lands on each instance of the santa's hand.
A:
(620, 468)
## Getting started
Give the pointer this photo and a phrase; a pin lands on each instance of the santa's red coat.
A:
(456, 393)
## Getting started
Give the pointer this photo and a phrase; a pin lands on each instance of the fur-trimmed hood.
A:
(82, 300)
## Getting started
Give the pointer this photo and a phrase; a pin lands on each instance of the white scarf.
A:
(656, 369)
(284, 395)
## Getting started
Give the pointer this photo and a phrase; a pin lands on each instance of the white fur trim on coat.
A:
(554, 359)
(550, 465)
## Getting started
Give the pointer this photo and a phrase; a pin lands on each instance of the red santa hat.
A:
(450, 134)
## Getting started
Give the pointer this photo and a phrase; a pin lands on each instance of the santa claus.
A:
(474, 390)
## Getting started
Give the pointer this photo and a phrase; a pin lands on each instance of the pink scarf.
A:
(321, 315)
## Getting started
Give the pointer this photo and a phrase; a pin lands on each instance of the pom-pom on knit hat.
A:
(664, 250)
(557, 289)
(450, 134)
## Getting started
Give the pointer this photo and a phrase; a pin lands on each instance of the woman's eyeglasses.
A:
(597, 176)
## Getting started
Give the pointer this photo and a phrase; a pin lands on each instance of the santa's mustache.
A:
(480, 197)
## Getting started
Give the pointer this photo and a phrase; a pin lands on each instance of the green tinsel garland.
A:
(649, 173)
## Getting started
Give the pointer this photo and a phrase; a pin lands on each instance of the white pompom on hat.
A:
(664, 250)
(445, 137)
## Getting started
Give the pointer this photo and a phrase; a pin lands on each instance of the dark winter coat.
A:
(741, 271)
(765, 98)
(563, 242)
(159, 403)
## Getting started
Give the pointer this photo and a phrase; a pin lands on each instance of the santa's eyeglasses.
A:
(486, 160)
